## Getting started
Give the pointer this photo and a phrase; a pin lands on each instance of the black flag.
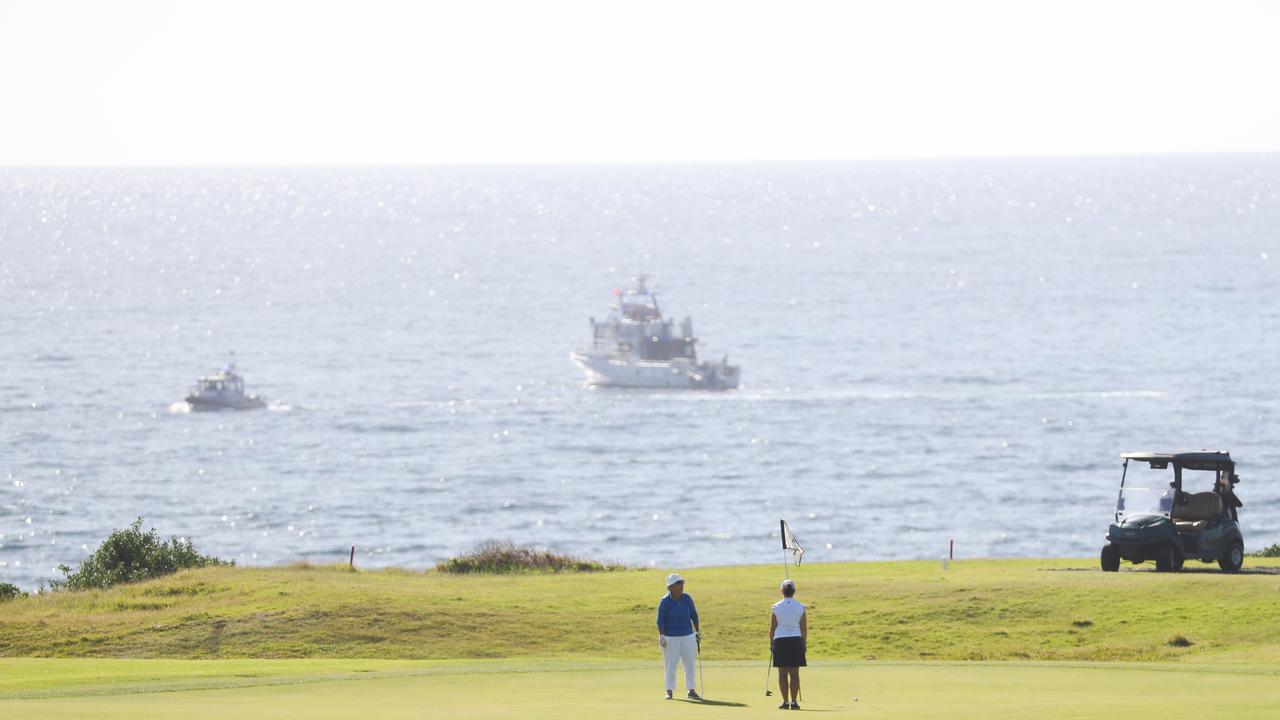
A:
(789, 543)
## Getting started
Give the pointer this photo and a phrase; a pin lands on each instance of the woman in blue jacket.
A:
(678, 634)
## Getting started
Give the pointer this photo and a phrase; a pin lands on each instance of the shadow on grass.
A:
(1208, 569)
(717, 703)
(1246, 570)
(820, 707)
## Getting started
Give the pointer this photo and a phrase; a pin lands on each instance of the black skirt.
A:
(788, 652)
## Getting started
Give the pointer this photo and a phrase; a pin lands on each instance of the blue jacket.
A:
(676, 619)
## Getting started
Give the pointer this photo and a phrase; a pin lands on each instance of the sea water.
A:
(930, 351)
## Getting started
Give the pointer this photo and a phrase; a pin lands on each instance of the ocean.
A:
(930, 351)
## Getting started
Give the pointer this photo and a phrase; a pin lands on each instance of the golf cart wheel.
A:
(1166, 558)
(1233, 558)
(1110, 558)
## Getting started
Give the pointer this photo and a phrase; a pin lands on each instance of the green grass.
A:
(623, 689)
(1060, 610)
(57, 677)
(397, 644)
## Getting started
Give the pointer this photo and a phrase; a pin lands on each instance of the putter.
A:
(768, 669)
(701, 680)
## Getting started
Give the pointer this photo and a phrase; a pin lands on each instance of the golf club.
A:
(701, 680)
(768, 669)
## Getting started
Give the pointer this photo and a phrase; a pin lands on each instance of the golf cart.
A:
(1156, 520)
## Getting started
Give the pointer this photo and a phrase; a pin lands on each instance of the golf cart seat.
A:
(1200, 511)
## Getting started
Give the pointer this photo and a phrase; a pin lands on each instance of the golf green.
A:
(307, 689)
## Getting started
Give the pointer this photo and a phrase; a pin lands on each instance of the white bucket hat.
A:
(674, 578)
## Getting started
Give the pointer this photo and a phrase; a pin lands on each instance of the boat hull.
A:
(603, 370)
(212, 405)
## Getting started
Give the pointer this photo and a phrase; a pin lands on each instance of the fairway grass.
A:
(551, 689)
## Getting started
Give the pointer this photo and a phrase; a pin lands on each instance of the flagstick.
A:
(782, 530)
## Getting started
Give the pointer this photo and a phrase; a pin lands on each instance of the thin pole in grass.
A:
(352, 562)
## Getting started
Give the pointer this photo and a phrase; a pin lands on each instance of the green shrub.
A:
(502, 556)
(9, 591)
(132, 556)
(1271, 551)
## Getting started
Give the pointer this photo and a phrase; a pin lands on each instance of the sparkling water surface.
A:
(930, 350)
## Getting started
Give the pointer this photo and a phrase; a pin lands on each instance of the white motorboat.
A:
(635, 347)
(223, 390)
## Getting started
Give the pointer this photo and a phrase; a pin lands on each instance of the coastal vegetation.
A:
(131, 555)
(505, 557)
(1271, 551)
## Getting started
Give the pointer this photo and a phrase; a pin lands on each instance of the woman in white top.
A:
(788, 635)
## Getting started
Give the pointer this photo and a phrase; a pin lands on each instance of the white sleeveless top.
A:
(788, 612)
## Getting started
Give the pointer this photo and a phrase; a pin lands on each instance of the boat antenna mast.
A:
(642, 288)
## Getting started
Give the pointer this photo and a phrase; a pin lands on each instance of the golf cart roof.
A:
(1198, 460)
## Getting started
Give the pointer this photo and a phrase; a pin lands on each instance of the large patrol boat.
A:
(636, 347)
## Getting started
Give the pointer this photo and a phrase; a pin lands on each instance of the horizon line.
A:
(640, 163)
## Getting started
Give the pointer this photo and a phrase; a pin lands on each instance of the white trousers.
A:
(680, 650)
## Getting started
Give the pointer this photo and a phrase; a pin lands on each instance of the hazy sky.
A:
(319, 82)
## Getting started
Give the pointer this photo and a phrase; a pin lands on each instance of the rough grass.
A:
(504, 557)
(979, 610)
